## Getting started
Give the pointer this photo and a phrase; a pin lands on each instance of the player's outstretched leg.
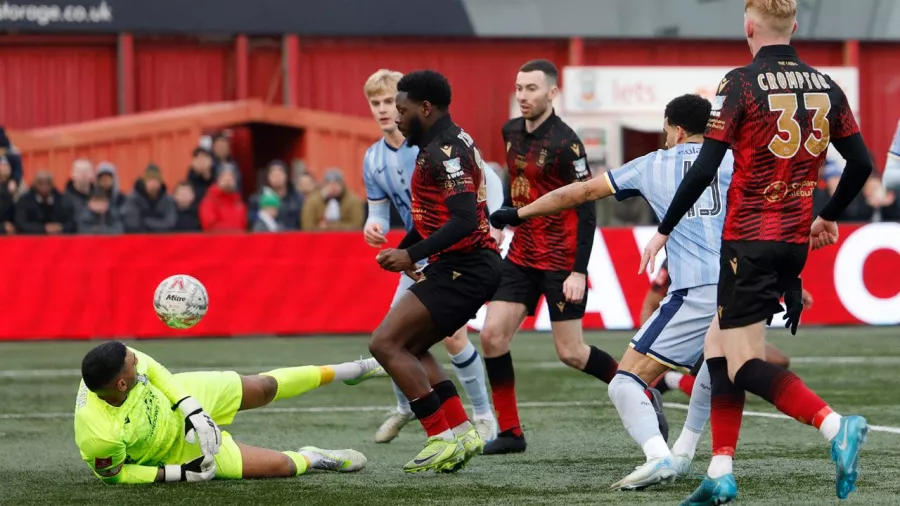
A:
(627, 392)
(502, 321)
(470, 372)
(408, 327)
(288, 382)
(264, 463)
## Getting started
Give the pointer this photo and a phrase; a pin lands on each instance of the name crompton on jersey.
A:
(790, 80)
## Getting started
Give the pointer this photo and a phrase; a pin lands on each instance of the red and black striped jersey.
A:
(779, 115)
(449, 165)
(539, 162)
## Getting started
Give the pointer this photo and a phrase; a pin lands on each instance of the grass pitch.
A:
(577, 445)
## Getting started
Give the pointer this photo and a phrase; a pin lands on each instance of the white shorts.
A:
(674, 334)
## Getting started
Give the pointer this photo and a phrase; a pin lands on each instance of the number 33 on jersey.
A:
(779, 115)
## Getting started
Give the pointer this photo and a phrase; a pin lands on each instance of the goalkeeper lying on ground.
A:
(135, 422)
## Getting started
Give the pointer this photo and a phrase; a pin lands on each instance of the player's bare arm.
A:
(566, 197)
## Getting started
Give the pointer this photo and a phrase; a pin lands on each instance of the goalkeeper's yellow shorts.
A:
(220, 394)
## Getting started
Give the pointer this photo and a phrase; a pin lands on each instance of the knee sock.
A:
(294, 381)
(503, 390)
(789, 394)
(601, 365)
(470, 371)
(697, 415)
(452, 407)
(402, 401)
(428, 410)
(301, 462)
(626, 392)
(726, 412)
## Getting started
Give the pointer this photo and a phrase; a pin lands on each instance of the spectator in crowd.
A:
(333, 207)
(81, 186)
(186, 204)
(7, 182)
(891, 176)
(149, 209)
(12, 158)
(266, 219)
(43, 209)
(221, 151)
(200, 174)
(108, 183)
(873, 203)
(279, 182)
(222, 208)
(99, 216)
(306, 184)
(7, 208)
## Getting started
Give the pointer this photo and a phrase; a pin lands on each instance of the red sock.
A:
(727, 408)
(686, 384)
(428, 410)
(454, 412)
(503, 391)
(450, 403)
(782, 388)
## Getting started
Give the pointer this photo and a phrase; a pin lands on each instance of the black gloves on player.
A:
(506, 216)
(793, 303)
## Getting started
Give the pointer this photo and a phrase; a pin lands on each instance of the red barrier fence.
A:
(321, 283)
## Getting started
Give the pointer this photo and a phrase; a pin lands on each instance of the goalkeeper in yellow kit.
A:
(135, 422)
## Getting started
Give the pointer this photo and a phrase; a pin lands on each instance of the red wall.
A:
(172, 75)
(482, 72)
(879, 68)
(46, 81)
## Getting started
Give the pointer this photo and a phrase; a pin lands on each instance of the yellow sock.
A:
(300, 462)
(294, 381)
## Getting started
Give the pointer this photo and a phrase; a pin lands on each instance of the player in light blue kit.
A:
(672, 338)
(387, 170)
(891, 176)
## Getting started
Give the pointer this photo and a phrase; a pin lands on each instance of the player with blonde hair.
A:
(387, 171)
(778, 116)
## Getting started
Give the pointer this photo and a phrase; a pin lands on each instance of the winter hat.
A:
(106, 168)
(269, 199)
(152, 172)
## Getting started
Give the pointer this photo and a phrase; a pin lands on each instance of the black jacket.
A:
(142, 214)
(89, 222)
(32, 213)
(188, 219)
(288, 214)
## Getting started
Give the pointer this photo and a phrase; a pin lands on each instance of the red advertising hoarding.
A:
(329, 283)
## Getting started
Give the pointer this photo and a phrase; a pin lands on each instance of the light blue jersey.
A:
(693, 246)
(387, 173)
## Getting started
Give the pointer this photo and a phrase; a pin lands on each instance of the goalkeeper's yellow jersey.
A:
(140, 435)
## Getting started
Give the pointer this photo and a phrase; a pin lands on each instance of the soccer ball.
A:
(180, 301)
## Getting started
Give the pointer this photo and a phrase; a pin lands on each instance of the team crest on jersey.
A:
(453, 167)
(142, 378)
(542, 158)
(580, 167)
(718, 102)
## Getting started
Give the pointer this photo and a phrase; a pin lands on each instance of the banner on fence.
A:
(329, 283)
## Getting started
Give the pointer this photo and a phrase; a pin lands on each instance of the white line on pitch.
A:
(554, 364)
(358, 409)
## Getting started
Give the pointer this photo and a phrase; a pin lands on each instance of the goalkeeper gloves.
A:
(793, 302)
(506, 216)
(202, 468)
(199, 427)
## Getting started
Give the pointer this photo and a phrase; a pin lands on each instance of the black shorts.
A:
(753, 275)
(525, 285)
(456, 286)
